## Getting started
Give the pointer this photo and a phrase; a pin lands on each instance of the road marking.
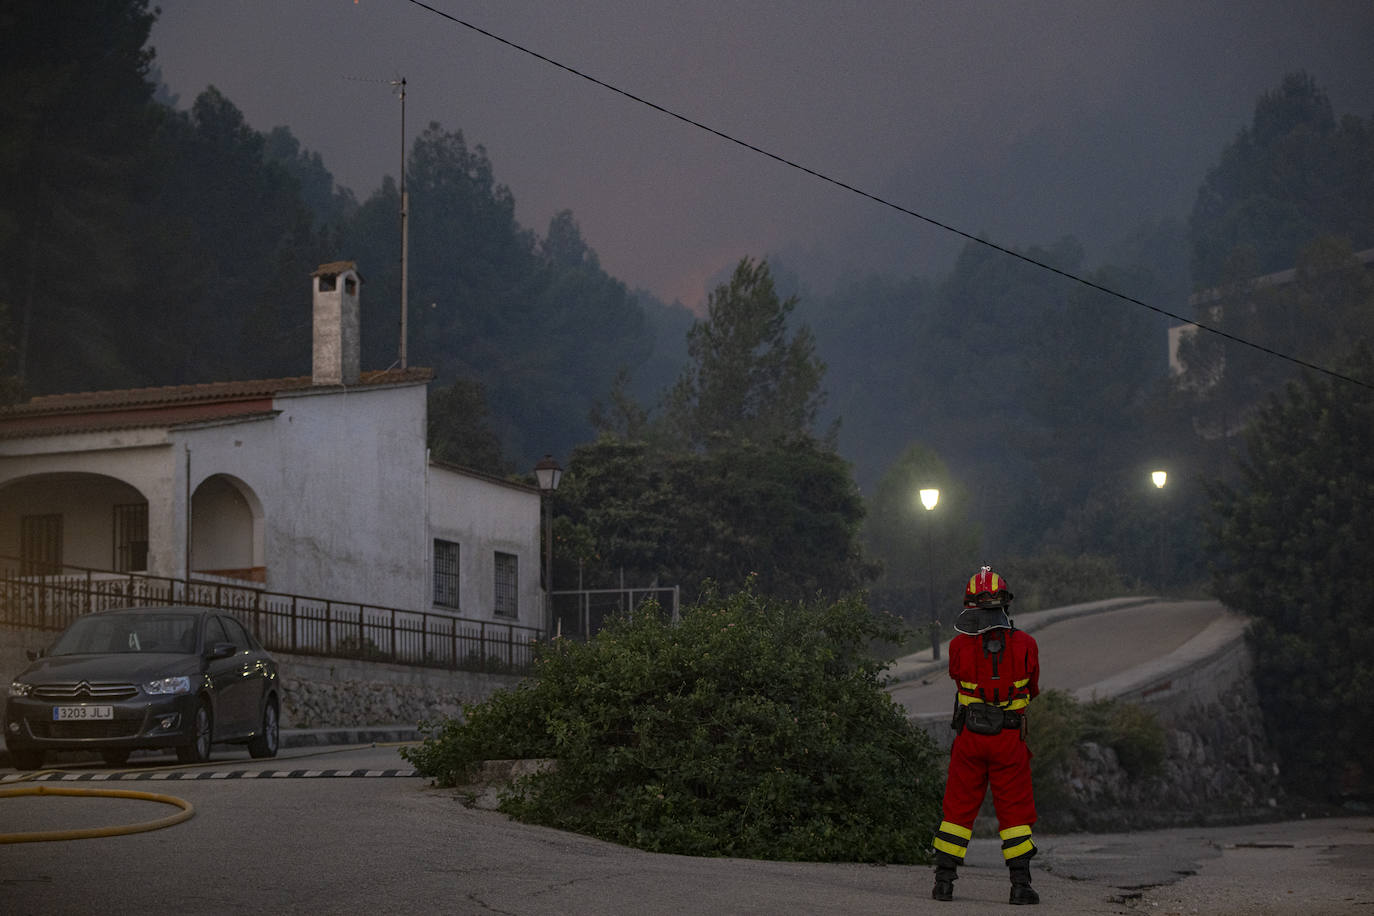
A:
(217, 774)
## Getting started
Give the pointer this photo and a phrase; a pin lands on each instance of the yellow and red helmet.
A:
(985, 604)
(987, 589)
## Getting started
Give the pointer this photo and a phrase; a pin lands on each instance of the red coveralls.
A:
(1002, 759)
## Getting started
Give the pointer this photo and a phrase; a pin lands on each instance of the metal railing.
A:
(580, 613)
(282, 622)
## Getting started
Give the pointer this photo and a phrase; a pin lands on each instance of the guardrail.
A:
(282, 622)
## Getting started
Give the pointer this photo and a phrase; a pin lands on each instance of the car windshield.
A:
(102, 634)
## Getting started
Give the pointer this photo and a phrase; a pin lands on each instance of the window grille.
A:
(446, 573)
(131, 538)
(40, 545)
(507, 579)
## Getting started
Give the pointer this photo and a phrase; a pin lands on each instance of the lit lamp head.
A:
(929, 497)
(548, 472)
(1159, 478)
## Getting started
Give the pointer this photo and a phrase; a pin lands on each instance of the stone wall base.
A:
(330, 692)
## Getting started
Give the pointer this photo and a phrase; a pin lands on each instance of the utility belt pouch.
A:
(960, 714)
(984, 718)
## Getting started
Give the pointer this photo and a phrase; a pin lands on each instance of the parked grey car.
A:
(154, 677)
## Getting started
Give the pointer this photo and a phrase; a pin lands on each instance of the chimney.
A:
(337, 347)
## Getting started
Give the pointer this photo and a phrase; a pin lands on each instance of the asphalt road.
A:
(1078, 652)
(310, 833)
(329, 844)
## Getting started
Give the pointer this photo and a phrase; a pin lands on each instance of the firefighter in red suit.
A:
(996, 669)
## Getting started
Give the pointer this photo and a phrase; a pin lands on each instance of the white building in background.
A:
(1207, 306)
(318, 486)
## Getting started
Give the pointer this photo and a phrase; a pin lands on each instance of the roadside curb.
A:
(161, 775)
(290, 738)
(370, 734)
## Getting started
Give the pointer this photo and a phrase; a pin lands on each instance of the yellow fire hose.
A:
(93, 832)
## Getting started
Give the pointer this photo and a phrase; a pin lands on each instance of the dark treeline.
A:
(145, 245)
(1043, 404)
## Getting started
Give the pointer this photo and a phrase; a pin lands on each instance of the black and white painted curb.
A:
(170, 775)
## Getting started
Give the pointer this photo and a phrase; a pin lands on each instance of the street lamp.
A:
(929, 498)
(548, 473)
(1159, 478)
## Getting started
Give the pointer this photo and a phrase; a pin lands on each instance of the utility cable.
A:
(885, 202)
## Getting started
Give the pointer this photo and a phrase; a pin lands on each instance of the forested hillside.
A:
(1044, 403)
(144, 244)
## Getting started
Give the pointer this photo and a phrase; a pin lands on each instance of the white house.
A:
(318, 486)
(1207, 305)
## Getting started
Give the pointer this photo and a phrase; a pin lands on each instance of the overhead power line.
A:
(783, 160)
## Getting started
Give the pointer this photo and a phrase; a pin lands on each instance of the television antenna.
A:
(398, 86)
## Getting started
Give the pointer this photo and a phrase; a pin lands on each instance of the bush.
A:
(1059, 724)
(1052, 579)
(753, 728)
(1129, 729)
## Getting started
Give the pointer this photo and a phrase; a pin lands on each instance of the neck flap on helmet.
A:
(975, 620)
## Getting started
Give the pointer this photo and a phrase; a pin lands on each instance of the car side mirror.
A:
(222, 650)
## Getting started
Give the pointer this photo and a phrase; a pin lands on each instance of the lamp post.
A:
(548, 472)
(1159, 478)
(929, 498)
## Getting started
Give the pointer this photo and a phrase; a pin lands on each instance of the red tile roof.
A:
(169, 406)
(334, 268)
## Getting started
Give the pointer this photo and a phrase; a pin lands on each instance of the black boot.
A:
(946, 871)
(1021, 890)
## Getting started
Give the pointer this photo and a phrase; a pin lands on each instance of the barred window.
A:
(507, 579)
(40, 545)
(131, 537)
(446, 573)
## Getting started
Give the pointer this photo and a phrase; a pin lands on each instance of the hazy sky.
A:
(1020, 119)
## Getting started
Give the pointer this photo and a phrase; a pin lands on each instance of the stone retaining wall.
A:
(328, 692)
(339, 693)
(1219, 765)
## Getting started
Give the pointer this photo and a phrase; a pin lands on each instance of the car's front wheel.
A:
(264, 743)
(26, 760)
(197, 750)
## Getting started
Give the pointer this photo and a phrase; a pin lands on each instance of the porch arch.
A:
(73, 518)
(227, 530)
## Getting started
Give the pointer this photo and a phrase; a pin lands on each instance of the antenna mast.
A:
(405, 220)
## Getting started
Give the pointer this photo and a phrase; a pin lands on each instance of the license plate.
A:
(81, 713)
